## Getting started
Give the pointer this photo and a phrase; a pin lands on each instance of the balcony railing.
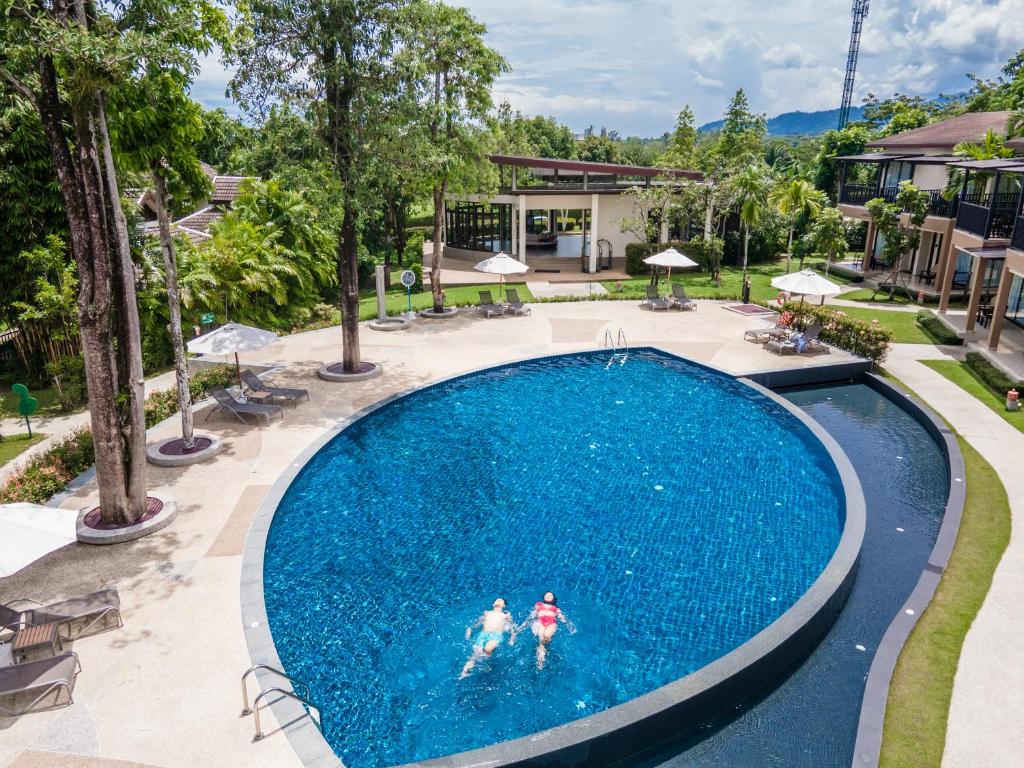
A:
(1017, 239)
(859, 194)
(973, 218)
(989, 215)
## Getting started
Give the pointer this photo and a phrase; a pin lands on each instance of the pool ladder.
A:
(618, 345)
(303, 699)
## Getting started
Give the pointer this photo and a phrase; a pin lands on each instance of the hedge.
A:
(939, 331)
(637, 252)
(47, 474)
(859, 337)
(993, 377)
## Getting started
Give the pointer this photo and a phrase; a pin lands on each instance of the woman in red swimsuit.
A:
(543, 621)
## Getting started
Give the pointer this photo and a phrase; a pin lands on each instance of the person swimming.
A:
(494, 624)
(543, 621)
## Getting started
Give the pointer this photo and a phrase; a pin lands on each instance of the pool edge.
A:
(711, 689)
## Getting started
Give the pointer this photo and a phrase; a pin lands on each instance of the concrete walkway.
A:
(986, 717)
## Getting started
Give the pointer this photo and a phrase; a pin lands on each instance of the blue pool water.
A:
(674, 511)
(810, 719)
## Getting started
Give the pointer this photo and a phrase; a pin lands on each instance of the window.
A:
(1015, 306)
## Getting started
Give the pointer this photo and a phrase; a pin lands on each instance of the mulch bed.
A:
(177, 447)
(92, 518)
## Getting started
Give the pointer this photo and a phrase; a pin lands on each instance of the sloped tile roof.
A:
(201, 220)
(948, 133)
(225, 188)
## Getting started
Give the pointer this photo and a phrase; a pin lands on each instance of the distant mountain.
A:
(798, 123)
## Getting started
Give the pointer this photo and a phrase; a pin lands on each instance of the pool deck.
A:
(164, 689)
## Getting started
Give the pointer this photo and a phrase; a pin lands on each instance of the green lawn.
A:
(455, 296)
(49, 402)
(898, 299)
(903, 325)
(699, 285)
(919, 695)
(967, 380)
(12, 445)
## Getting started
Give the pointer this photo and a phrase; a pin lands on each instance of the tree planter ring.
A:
(160, 512)
(172, 452)
(336, 372)
(390, 324)
(445, 314)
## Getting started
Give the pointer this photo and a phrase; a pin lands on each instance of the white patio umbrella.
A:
(806, 282)
(232, 338)
(29, 531)
(670, 258)
(501, 265)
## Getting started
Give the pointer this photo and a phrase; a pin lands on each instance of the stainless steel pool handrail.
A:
(618, 345)
(245, 693)
(309, 705)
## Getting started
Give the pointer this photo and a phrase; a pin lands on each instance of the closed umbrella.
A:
(232, 338)
(670, 258)
(501, 265)
(29, 531)
(806, 282)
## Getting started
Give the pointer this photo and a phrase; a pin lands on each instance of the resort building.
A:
(539, 199)
(972, 244)
(196, 225)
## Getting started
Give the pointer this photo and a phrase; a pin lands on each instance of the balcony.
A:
(989, 216)
(1017, 239)
(859, 194)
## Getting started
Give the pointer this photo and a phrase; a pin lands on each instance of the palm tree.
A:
(752, 186)
(794, 199)
(992, 147)
(1015, 124)
(828, 235)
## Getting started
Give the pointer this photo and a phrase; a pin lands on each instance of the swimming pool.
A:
(675, 511)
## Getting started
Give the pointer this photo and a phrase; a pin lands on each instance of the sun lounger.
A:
(653, 300)
(38, 679)
(764, 335)
(679, 298)
(515, 306)
(225, 402)
(487, 306)
(798, 343)
(258, 388)
(91, 609)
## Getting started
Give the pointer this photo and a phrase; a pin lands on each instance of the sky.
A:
(630, 65)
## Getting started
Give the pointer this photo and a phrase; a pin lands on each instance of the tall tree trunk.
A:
(436, 289)
(348, 274)
(84, 194)
(746, 242)
(789, 249)
(173, 306)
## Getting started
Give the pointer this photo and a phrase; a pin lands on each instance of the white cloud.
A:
(632, 64)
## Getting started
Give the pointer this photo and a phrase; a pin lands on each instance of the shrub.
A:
(637, 252)
(993, 377)
(413, 253)
(163, 403)
(858, 337)
(48, 473)
(937, 329)
(68, 374)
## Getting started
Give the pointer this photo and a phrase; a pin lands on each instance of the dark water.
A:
(811, 719)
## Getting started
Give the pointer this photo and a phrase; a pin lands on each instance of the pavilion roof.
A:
(592, 167)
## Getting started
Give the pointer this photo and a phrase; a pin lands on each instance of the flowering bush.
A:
(49, 472)
(855, 336)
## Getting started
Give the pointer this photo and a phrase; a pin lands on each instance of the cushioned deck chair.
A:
(35, 681)
(258, 388)
(653, 300)
(515, 305)
(488, 307)
(799, 343)
(679, 298)
(764, 335)
(96, 609)
(225, 402)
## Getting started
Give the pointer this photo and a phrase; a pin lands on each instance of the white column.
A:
(522, 229)
(707, 222)
(595, 230)
(514, 213)
(663, 234)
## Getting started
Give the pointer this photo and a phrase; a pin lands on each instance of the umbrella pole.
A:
(238, 370)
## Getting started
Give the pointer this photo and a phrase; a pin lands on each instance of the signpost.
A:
(408, 279)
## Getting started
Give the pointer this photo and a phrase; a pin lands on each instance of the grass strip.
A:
(902, 325)
(965, 378)
(12, 446)
(922, 685)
